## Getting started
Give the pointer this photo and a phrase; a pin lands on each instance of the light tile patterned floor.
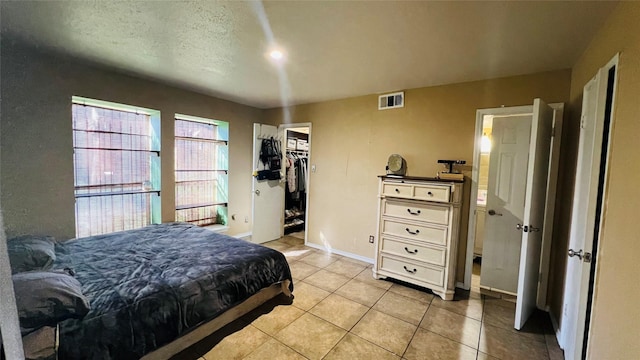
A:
(341, 312)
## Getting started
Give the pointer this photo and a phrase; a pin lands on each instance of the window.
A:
(201, 170)
(116, 166)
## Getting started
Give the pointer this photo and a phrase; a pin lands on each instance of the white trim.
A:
(498, 292)
(340, 252)
(242, 235)
(556, 326)
(550, 202)
(217, 228)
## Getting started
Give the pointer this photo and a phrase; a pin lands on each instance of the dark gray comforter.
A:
(149, 286)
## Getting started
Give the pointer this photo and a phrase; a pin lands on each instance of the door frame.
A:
(558, 113)
(585, 298)
(282, 130)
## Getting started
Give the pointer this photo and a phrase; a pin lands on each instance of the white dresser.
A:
(418, 226)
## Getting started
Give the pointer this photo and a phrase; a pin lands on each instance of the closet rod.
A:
(266, 137)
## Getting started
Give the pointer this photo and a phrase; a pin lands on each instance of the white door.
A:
(505, 202)
(268, 195)
(583, 215)
(534, 205)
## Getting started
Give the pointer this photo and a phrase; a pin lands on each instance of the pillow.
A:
(28, 253)
(45, 298)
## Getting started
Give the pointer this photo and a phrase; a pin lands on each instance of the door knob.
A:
(257, 192)
(493, 212)
(586, 257)
(527, 228)
(573, 253)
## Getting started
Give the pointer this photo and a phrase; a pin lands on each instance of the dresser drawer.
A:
(419, 211)
(431, 255)
(432, 193)
(427, 274)
(408, 190)
(431, 234)
(397, 189)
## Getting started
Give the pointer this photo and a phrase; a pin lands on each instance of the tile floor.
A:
(340, 312)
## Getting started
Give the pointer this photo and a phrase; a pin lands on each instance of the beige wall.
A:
(37, 149)
(615, 325)
(351, 141)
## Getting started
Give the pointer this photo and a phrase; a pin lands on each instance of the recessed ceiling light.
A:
(276, 54)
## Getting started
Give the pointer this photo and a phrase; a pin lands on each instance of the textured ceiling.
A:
(334, 49)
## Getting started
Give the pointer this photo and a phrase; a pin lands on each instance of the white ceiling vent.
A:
(391, 101)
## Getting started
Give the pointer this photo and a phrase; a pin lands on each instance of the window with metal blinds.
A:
(201, 170)
(116, 167)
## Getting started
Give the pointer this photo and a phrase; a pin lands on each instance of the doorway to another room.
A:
(500, 197)
(511, 215)
(296, 164)
(281, 186)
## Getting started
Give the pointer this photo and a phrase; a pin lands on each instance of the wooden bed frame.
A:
(206, 329)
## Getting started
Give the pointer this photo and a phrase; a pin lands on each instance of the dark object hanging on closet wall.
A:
(271, 157)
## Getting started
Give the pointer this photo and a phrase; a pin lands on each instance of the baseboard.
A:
(499, 291)
(461, 286)
(342, 253)
(556, 327)
(222, 229)
(242, 235)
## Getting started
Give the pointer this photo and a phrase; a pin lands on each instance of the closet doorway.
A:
(296, 155)
(511, 212)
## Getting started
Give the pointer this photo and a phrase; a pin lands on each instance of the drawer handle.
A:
(409, 251)
(430, 193)
(413, 213)
(413, 233)
(409, 270)
(397, 190)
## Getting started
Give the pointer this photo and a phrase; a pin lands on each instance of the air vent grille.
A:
(391, 101)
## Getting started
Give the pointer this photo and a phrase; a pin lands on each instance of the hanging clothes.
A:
(295, 194)
(291, 174)
(296, 174)
(302, 174)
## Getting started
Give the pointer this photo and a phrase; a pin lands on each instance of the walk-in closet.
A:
(297, 165)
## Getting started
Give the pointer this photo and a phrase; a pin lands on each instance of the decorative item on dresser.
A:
(418, 226)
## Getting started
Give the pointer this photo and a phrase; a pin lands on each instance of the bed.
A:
(156, 290)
